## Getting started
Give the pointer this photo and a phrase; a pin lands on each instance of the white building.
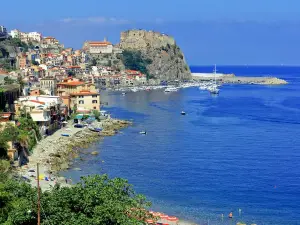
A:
(35, 36)
(98, 47)
(15, 33)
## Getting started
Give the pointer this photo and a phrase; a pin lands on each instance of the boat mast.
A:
(215, 72)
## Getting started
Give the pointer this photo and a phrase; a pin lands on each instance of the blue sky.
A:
(208, 31)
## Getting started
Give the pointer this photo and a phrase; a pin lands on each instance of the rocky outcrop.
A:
(167, 60)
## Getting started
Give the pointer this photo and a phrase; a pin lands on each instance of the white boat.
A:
(171, 89)
(134, 89)
(123, 93)
(183, 113)
(143, 132)
(213, 89)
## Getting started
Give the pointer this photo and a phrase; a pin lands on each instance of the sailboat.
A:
(213, 89)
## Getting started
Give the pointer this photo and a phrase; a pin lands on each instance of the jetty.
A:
(232, 79)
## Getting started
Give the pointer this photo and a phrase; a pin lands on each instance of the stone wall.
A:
(139, 39)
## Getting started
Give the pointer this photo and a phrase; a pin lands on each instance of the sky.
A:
(223, 32)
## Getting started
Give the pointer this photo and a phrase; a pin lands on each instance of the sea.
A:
(236, 152)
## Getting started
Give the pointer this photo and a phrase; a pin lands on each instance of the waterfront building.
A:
(85, 101)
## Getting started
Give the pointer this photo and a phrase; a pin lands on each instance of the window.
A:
(94, 101)
(80, 96)
(94, 96)
(81, 102)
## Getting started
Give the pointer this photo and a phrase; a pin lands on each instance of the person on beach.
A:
(230, 215)
(66, 180)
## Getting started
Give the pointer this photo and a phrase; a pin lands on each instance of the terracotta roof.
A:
(35, 101)
(101, 43)
(84, 93)
(74, 67)
(49, 38)
(3, 72)
(72, 83)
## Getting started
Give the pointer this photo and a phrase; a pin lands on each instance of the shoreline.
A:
(56, 152)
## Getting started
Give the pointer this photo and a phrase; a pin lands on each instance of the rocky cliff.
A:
(167, 60)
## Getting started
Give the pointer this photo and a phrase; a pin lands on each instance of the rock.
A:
(55, 155)
(94, 153)
(165, 59)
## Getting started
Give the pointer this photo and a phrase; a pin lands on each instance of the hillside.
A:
(162, 57)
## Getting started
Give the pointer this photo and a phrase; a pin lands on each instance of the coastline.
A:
(56, 152)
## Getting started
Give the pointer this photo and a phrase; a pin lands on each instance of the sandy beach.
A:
(55, 152)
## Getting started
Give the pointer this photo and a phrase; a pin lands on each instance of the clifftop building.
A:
(98, 47)
(26, 37)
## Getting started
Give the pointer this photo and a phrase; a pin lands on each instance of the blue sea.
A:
(239, 151)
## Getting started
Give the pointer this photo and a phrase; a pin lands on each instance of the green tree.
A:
(70, 73)
(133, 60)
(95, 200)
(96, 113)
(35, 63)
(8, 80)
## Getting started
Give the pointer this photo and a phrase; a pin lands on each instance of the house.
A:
(15, 33)
(98, 47)
(48, 85)
(70, 86)
(45, 110)
(85, 101)
(35, 36)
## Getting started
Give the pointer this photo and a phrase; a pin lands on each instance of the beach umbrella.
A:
(164, 216)
(150, 221)
(172, 219)
(65, 122)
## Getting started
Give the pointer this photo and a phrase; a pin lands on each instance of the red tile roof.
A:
(85, 93)
(72, 83)
(35, 101)
(100, 43)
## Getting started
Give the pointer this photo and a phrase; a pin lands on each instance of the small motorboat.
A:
(123, 93)
(183, 113)
(143, 132)
(78, 125)
(65, 135)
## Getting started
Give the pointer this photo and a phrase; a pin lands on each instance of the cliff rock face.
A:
(167, 60)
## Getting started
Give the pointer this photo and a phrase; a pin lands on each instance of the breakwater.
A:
(232, 79)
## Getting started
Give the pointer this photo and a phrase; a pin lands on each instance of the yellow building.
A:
(85, 101)
(72, 88)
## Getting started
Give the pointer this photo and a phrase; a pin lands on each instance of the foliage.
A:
(8, 80)
(133, 60)
(71, 73)
(42, 92)
(35, 63)
(96, 113)
(94, 200)
(9, 133)
(18, 43)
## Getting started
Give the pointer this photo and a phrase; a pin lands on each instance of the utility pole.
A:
(39, 195)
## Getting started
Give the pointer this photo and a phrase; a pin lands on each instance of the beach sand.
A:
(55, 152)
